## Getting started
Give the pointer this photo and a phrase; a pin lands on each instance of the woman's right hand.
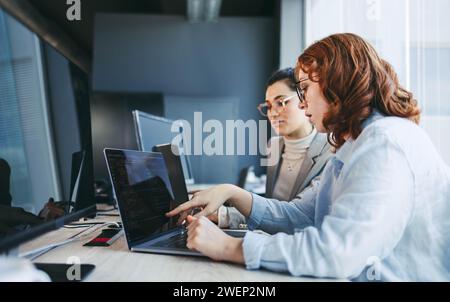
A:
(209, 200)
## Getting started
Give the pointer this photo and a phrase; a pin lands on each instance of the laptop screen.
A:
(143, 192)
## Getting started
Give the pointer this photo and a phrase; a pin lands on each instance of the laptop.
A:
(142, 188)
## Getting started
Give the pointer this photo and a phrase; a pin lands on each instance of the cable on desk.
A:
(82, 225)
(108, 214)
(108, 210)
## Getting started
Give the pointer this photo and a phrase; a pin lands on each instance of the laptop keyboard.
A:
(179, 241)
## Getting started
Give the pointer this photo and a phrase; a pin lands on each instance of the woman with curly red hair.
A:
(381, 210)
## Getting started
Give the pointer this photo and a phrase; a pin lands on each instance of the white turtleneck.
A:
(292, 160)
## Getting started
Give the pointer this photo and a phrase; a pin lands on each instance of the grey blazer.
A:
(317, 156)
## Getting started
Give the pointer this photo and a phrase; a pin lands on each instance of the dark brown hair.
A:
(286, 75)
(355, 81)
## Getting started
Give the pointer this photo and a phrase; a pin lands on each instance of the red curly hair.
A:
(355, 81)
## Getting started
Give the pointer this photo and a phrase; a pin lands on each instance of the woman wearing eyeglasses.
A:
(301, 152)
(382, 207)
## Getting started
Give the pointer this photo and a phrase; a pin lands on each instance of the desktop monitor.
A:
(152, 130)
(78, 162)
(13, 240)
(76, 208)
(81, 188)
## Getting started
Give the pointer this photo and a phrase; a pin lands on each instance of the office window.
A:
(25, 140)
(414, 36)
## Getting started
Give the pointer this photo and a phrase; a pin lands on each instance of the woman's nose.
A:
(274, 114)
(275, 111)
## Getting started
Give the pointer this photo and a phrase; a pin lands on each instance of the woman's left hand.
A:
(206, 237)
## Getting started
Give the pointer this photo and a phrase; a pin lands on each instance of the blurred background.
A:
(71, 85)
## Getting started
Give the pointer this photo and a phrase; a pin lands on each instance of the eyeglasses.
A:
(300, 91)
(267, 107)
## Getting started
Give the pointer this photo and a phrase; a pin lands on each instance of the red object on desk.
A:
(101, 239)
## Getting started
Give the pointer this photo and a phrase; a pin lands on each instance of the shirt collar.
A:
(344, 152)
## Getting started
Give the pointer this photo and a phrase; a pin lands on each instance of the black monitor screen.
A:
(143, 191)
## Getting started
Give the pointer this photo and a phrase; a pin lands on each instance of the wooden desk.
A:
(117, 263)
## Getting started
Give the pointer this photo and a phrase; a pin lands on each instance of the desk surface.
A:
(117, 263)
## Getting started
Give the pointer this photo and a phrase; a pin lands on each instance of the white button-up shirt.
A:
(381, 211)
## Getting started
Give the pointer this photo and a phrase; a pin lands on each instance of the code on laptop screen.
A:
(143, 191)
